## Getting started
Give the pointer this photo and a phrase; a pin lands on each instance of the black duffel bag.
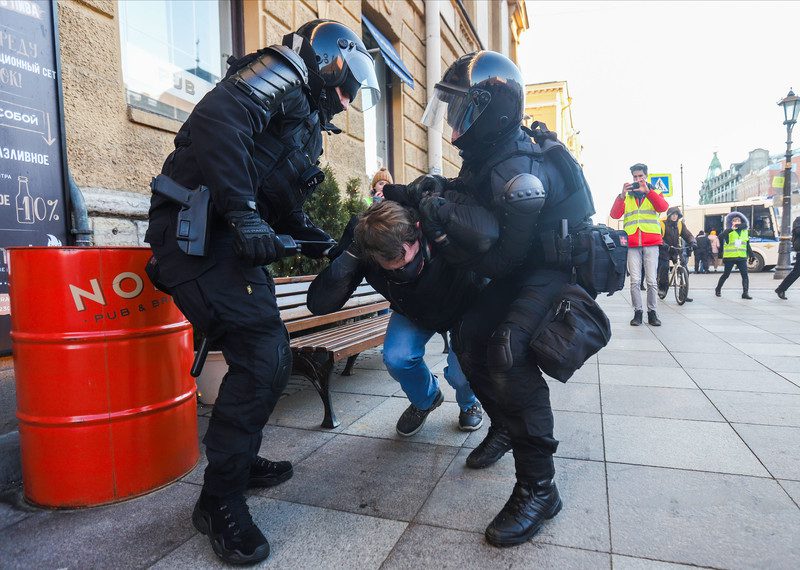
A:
(600, 257)
(573, 330)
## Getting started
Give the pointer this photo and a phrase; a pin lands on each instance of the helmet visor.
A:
(459, 108)
(362, 69)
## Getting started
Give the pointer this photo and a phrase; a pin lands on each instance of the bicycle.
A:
(678, 277)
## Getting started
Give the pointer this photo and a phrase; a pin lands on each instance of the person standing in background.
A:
(795, 272)
(735, 251)
(713, 241)
(638, 205)
(702, 254)
(381, 179)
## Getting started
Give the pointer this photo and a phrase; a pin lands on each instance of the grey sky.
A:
(706, 77)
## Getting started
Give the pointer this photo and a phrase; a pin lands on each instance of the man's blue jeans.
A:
(403, 349)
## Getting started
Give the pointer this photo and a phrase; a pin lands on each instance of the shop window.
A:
(377, 140)
(173, 53)
(378, 124)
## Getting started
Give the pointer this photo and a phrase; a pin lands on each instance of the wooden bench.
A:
(317, 346)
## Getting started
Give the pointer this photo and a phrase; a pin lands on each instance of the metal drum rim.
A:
(105, 418)
(99, 336)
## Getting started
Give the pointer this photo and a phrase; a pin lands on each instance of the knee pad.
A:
(499, 356)
(284, 367)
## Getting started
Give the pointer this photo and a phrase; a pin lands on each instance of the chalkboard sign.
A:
(32, 157)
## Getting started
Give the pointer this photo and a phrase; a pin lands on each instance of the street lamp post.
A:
(790, 109)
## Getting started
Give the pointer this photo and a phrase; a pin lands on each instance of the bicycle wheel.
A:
(681, 285)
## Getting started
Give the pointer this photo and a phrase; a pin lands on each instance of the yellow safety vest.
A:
(736, 244)
(640, 217)
(664, 227)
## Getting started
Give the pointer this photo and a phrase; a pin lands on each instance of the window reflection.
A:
(173, 53)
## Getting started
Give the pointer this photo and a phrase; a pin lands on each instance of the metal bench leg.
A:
(446, 344)
(348, 368)
(330, 420)
(317, 368)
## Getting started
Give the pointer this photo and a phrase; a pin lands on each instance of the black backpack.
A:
(600, 257)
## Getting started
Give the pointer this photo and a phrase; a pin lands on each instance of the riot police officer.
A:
(529, 187)
(254, 141)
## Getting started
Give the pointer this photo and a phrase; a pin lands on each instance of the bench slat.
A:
(302, 312)
(315, 321)
(299, 299)
(340, 337)
(336, 336)
(342, 330)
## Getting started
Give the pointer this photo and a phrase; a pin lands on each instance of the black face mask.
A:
(410, 272)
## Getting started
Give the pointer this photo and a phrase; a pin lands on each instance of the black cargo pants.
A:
(234, 305)
(493, 349)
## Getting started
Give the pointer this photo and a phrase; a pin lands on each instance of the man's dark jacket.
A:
(435, 301)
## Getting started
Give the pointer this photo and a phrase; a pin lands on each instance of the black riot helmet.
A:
(482, 98)
(342, 61)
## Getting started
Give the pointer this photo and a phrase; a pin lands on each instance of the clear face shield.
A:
(362, 78)
(458, 108)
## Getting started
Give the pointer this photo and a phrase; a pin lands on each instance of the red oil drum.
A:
(105, 402)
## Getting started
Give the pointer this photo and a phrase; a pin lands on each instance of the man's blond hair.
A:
(384, 228)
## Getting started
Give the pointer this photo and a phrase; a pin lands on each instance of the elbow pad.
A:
(523, 194)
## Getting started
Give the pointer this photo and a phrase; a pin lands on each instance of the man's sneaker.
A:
(496, 443)
(413, 418)
(228, 525)
(266, 473)
(637, 319)
(652, 319)
(522, 516)
(471, 419)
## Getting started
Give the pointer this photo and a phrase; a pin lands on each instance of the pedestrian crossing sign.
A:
(662, 183)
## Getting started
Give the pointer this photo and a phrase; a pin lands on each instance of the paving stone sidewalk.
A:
(680, 446)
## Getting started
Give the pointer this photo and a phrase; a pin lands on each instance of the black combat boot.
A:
(781, 294)
(746, 295)
(637, 319)
(496, 443)
(266, 473)
(529, 506)
(227, 523)
(652, 319)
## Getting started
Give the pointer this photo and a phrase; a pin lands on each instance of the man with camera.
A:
(638, 205)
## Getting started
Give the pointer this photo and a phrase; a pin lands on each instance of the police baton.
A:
(295, 246)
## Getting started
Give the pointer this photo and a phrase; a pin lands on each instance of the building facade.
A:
(721, 185)
(551, 104)
(132, 72)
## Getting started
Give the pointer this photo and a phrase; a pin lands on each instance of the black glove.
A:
(397, 193)
(346, 241)
(254, 239)
(431, 222)
(751, 259)
(427, 185)
(693, 246)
